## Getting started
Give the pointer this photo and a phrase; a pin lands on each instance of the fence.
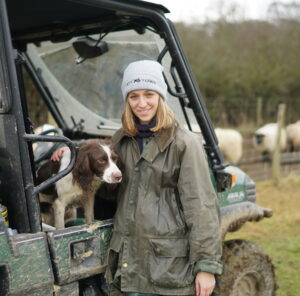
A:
(246, 115)
(259, 168)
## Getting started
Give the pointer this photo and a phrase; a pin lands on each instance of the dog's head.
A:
(95, 158)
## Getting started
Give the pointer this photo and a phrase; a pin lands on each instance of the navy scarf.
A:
(144, 132)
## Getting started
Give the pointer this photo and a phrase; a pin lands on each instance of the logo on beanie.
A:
(139, 80)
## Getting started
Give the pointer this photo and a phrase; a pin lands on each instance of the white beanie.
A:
(144, 74)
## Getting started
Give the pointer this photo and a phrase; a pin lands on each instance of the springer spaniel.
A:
(96, 163)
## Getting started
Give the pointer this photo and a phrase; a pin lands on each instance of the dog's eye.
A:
(101, 161)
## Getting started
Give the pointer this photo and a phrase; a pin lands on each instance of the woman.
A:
(166, 238)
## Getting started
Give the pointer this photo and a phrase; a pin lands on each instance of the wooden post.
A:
(258, 111)
(276, 159)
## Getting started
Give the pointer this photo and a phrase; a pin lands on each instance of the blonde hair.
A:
(164, 118)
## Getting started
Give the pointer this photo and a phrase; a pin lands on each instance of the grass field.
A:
(279, 236)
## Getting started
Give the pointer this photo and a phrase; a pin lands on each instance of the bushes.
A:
(241, 61)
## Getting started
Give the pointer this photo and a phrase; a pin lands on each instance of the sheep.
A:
(293, 136)
(264, 139)
(231, 144)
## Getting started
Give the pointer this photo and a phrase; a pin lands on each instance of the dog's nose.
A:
(117, 176)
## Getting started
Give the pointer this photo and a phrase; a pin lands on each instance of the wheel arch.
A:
(234, 216)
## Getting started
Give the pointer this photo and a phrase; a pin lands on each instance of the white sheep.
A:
(230, 143)
(293, 136)
(264, 139)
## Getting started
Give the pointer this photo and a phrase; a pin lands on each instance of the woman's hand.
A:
(204, 283)
(57, 154)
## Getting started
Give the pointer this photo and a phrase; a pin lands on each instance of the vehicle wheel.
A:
(247, 271)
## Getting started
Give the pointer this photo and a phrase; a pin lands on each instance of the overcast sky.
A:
(200, 10)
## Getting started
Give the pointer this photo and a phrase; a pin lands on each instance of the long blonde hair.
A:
(164, 118)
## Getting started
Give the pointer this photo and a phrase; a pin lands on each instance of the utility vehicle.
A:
(74, 52)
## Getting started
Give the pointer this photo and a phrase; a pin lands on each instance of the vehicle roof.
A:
(34, 20)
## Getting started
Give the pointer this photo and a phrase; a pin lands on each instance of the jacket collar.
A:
(161, 141)
(163, 138)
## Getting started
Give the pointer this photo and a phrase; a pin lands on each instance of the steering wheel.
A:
(44, 150)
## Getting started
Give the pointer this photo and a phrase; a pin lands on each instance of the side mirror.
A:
(88, 48)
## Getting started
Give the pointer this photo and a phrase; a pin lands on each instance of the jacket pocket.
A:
(168, 263)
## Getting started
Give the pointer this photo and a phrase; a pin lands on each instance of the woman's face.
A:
(144, 104)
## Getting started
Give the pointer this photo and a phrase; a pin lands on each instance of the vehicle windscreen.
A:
(87, 91)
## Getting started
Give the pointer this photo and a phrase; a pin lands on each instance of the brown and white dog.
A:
(96, 163)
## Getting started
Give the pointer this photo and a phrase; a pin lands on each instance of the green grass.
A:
(279, 236)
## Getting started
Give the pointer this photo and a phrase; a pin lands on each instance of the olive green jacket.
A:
(166, 227)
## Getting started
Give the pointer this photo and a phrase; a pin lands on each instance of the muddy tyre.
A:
(247, 271)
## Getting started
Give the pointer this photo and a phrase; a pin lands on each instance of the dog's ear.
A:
(82, 173)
